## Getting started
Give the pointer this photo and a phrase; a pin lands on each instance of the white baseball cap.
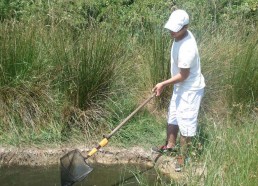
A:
(177, 20)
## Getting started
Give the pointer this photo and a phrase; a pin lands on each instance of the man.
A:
(188, 86)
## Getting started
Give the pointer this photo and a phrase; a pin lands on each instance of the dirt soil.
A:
(108, 155)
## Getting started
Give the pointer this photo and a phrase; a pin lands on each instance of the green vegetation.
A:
(70, 71)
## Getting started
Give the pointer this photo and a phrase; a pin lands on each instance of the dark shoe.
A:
(163, 149)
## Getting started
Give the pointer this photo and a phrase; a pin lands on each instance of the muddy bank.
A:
(51, 156)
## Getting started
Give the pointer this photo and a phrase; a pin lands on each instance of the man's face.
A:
(180, 34)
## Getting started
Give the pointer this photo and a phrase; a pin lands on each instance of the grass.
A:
(231, 155)
(140, 128)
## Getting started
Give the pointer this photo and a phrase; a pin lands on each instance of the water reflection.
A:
(102, 175)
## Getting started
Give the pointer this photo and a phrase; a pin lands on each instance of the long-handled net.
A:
(74, 167)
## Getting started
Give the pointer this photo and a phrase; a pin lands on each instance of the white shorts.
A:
(183, 110)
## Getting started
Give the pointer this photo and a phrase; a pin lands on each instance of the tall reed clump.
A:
(159, 62)
(86, 61)
(19, 52)
(224, 59)
(27, 102)
(98, 56)
(242, 92)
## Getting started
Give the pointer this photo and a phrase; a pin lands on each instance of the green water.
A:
(102, 175)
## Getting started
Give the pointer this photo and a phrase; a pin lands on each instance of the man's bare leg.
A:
(185, 143)
(172, 131)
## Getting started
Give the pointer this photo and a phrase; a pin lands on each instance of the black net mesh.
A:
(73, 168)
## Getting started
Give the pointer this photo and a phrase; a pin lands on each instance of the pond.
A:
(102, 175)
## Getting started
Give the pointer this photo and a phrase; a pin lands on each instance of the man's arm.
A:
(180, 77)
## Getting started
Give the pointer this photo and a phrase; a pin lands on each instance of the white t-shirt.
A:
(184, 54)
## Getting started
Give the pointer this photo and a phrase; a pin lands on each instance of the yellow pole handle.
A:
(93, 151)
(103, 143)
